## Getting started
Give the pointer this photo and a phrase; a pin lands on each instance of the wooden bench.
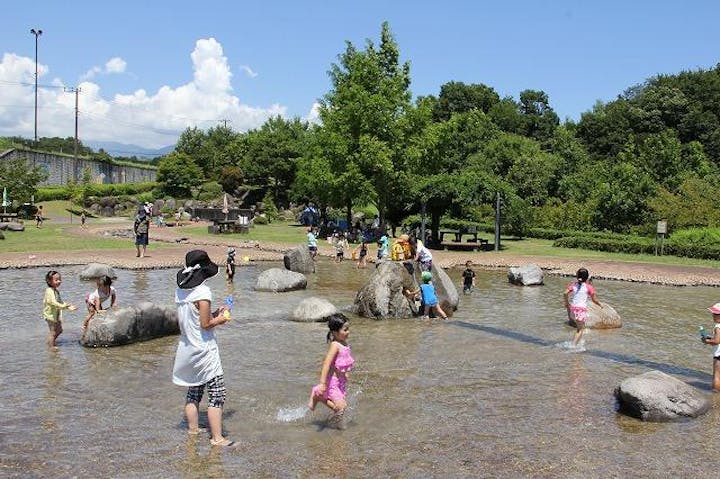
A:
(8, 217)
(480, 244)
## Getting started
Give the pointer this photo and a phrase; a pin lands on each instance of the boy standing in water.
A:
(468, 278)
(576, 297)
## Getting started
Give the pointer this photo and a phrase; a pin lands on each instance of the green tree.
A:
(271, 155)
(457, 97)
(177, 174)
(361, 117)
(21, 182)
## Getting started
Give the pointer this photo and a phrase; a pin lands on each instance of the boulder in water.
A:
(144, 321)
(95, 271)
(600, 318)
(657, 397)
(298, 259)
(278, 280)
(526, 275)
(314, 310)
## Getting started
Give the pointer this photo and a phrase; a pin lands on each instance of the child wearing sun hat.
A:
(197, 359)
(714, 339)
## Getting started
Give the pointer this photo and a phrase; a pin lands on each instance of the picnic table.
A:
(227, 226)
(5, 217)
(472, 243)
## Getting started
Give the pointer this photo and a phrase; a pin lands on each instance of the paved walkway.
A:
(172, 255)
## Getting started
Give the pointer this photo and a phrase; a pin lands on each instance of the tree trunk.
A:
(348, 215)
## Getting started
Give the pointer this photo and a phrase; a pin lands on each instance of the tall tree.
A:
(361, 114)
(457, 97)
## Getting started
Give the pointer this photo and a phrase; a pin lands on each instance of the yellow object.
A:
(246, 258)
(226, 314)
(397, 253)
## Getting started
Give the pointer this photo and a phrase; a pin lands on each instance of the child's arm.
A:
(714, 339)
(50, 299)
(207, 319)
(595, 300)
(113, 300)
(327, 364)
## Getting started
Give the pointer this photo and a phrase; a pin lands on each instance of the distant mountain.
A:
(114, 148)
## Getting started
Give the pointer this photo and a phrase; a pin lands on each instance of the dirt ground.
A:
(175, 247)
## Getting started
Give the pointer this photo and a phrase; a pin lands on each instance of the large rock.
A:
(12, 226)
(298, 260)
(2, 236)
(97, 270)
(656, 396)
(382, 295)
(279, 280)
(526, 275)
(446, 291)
(144, 321)
(600, 318)
(314, 309)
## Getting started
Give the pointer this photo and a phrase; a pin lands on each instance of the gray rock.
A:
(94, 271)
(3, 225)
(12, 226)
(446, 291)
(279, 280)
(141, 322)
(298, 259)
(314, 309)
(527, 275)
(2, 236)
(657, 397)
(600, 318)
(381, 297)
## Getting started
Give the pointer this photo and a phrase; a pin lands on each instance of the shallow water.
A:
(489, 394)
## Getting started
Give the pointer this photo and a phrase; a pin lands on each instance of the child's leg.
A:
(439, 311)
(192, 406)
(216, 401)
(427, 312)
(52, 332)
(578, 332)
(716, 374)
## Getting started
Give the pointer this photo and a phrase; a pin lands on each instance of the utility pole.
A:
(37, 33)
(75, 90)
(224, 121)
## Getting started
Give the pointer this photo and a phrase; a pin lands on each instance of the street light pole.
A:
(37, 33)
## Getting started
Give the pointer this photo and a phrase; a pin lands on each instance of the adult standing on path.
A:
(141, 227)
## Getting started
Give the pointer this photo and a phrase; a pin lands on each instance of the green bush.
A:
(630, 244)
(210, 191)
(52, 193)
(260, 220)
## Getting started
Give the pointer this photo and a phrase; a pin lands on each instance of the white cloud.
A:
(148, 119)
(248, 71)
(313, 116)
(114, 65)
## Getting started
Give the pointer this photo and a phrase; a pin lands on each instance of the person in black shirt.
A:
(468, 278)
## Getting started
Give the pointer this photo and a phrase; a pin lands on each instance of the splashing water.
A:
(291, 414)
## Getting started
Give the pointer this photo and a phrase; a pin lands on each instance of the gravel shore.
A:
(172, 254)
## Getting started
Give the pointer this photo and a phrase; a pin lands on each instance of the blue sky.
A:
(147, 70)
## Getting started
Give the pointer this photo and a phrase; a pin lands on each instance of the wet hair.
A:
(49, 276)
(105, 281)
(335, 324)
(468, 263)
(582, 275)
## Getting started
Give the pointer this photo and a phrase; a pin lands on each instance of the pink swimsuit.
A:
(337, 381)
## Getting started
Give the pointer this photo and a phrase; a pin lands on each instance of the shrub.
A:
(260, 220)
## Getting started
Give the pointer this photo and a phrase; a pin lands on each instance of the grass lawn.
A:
(278, 232)
(54, 237)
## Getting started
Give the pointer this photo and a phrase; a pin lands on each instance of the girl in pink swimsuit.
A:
(334, 373)
(576, 295)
